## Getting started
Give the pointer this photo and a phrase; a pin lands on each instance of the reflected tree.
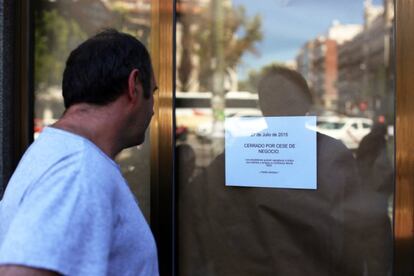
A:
(185, 64)
(55, 37)
(61, 25)
(239, 35)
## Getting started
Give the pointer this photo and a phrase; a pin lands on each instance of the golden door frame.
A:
(404, 181)
(162, 134)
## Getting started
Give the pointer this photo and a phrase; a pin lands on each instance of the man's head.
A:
(110, 76)
(97, 70)
(284, 92)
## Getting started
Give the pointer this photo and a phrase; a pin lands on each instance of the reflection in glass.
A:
(343, 51)
(59, 27)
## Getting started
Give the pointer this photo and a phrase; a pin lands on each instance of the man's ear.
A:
(134, 85)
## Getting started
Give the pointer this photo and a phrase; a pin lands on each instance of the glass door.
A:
(285, 137)
(59, 27)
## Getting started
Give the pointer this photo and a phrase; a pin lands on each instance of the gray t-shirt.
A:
(67, 208)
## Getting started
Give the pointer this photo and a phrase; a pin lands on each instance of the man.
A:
(273, 231)
(376, 170)
(67, 209)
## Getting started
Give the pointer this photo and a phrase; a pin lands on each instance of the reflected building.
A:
(364, 75)
(348, 68)
(304, 62)
(317, 61)
(91, 14)
(133, 16)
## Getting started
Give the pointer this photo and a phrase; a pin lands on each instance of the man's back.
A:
(68, 209)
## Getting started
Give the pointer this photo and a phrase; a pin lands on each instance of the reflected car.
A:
(204, 132)
(350, 130)
(181, 133)
(40, 124)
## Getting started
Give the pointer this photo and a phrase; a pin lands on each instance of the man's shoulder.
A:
(55, 145)
(52, 146)
(57, 158)
(331, 148)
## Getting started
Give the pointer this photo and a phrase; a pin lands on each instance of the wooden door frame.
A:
(17, 33)
(404, 133)
(162, 133)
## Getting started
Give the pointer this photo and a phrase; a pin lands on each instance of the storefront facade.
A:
(357, 72)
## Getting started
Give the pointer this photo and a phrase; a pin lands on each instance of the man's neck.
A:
(94, 123)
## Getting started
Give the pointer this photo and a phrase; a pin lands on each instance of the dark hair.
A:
(97, 70)
(283, 92)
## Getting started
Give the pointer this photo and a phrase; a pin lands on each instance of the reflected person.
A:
(376, 172)
(269, 231)
(185, 160)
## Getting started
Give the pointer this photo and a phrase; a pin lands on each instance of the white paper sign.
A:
(276, 152)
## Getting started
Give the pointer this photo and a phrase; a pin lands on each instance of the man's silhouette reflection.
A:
(375, 169)
(267, 231)
(185, 163)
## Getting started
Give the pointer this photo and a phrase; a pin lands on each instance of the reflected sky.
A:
(288, 24)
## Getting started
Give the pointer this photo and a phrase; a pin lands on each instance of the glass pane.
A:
(59, 27)
(285, 137)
